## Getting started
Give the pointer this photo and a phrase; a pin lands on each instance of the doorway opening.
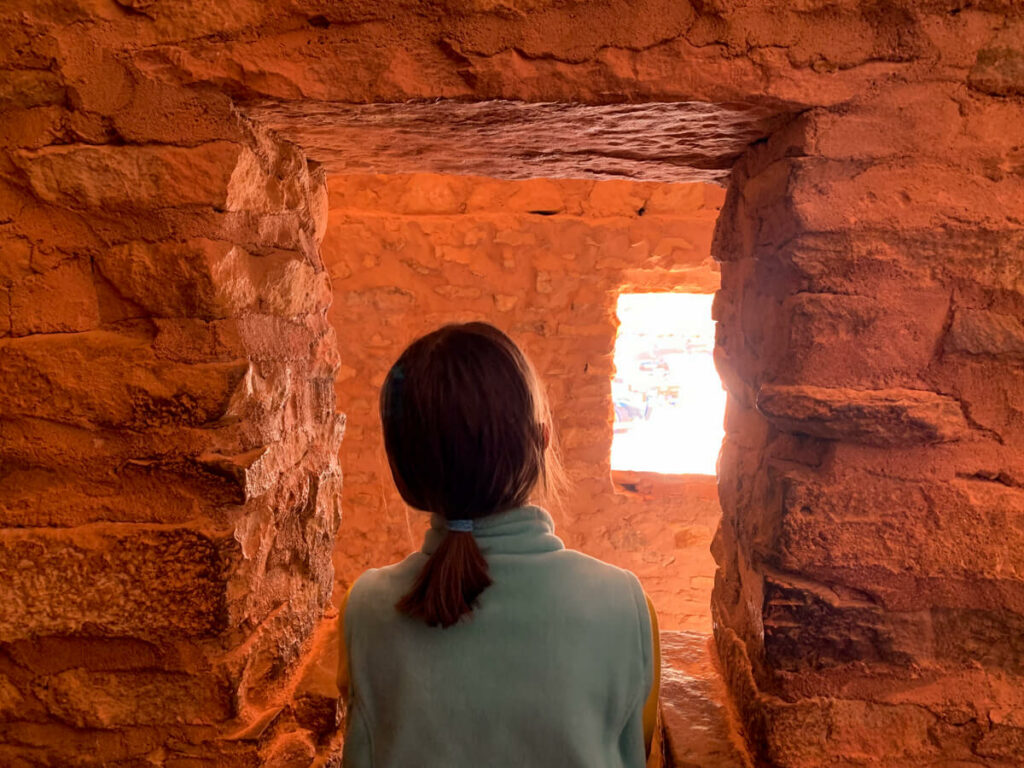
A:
(546, 260)
(668, 398)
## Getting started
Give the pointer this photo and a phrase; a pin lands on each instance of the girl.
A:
(494, 645)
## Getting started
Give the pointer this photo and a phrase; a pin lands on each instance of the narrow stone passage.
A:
(700, 728)
(408, 253)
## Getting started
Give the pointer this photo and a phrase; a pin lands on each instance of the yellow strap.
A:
(652, 731)
(343, 676)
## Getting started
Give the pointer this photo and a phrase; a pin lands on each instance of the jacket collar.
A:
(517, 531)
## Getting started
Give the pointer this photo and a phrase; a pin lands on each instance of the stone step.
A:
(700, 728)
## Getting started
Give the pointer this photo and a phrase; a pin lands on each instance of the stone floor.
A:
(700, 729)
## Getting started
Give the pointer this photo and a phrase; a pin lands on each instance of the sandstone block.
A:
(436, 195)
(88, 699)
(812, 732)
(620, 198)
(999, 67)
(272, 177)
(248, 471)
(837, 196)
(683, 199)
(268, 338)
(694, 708)
(755, 219)
(109, 379)
(156, 112)
(867, 341)
(212, 279)
(289, 749)
(505, 302)
(141, 582)
(40, 496)
(171, 279)
(671, 141)
(116, 474)
(16, 263)
(536, 196)
(131, 177)
(194, 340)
(59, 300)
(989, 334)
(911, 544)
(29, 744)
(912, 120)
(11, 700)
(50, 655)
(30, 88)
(992, 638)
(5, 312)
(1002, 742)
(884, 417)
(811, 625)
(36, 127)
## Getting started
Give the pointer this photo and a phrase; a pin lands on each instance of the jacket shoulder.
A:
(376, 587)
(599, 571)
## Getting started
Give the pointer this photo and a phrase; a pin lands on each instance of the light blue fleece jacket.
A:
(551, 670)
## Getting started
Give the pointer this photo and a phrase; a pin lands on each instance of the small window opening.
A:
(669, 401)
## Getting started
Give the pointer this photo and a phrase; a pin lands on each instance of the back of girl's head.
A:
(464, 423)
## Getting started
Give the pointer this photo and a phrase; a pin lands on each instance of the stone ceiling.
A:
(660, 141)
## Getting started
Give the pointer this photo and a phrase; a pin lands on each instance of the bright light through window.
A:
(669, 401)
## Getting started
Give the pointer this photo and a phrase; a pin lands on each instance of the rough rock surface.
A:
(883, 417)
(168, 437)
(670, 142)
(544, 260)
(870, 592)
(699, 722)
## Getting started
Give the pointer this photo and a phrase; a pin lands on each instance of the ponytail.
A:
(466, 430)
(450, 582)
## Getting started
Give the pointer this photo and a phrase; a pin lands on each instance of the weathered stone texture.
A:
(999, 67)
(129, 177)
(877, 417)
(670, 142)
(109, 581)
(544, 260)
(870, 591)
(700, 728)
(168, 439)
(986, 334)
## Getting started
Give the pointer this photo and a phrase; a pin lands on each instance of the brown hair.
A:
(465, 425)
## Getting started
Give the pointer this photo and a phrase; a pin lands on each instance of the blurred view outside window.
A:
(669, 401)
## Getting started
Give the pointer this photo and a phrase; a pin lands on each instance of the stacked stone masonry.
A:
(870, 594)
(168, 438)
(168, 443)
(544, 260)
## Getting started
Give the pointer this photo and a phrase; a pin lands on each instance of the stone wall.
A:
(870, 596)
(168, 475)
(544, 260)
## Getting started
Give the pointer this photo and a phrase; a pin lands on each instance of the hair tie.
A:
(462, 526)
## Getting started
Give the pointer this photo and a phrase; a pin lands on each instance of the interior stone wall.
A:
(869, 598)
(545, 261)
(168, 474)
